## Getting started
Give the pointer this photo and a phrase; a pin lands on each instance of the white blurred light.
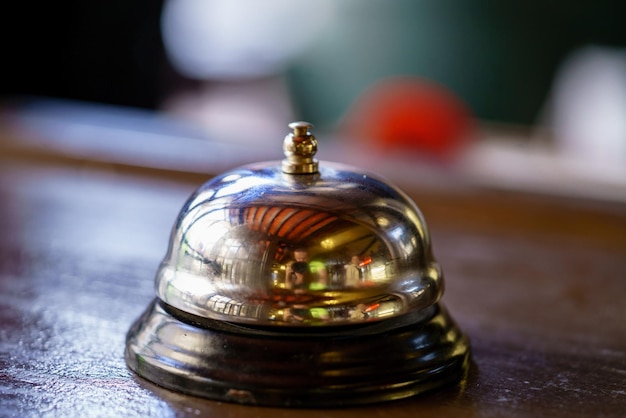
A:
(588, 108)
(230, 39)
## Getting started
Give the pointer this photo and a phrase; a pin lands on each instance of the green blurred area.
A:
(500, 57)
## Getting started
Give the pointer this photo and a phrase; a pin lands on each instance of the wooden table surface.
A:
(538, 283)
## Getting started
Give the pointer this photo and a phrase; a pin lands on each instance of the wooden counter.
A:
(538, 284)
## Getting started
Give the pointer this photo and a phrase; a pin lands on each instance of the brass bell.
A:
(306, 283)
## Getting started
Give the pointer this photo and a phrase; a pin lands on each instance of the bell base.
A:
(297, 367)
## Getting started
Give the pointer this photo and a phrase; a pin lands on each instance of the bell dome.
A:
(253, 243)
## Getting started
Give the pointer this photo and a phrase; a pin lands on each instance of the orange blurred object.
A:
(409, 113)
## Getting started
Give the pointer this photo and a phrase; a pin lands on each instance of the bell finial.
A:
(300, 147)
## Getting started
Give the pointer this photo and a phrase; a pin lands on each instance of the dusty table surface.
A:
(537, 283)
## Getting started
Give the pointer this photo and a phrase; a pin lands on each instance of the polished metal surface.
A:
(300, 283)
(338, 246)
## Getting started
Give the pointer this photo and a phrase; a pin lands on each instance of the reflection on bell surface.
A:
(298, 284)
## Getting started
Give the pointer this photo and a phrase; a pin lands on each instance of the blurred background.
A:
(528, 95)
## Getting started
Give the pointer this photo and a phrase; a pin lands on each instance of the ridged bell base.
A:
(297, 367)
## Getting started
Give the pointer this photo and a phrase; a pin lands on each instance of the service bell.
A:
(300, 283)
